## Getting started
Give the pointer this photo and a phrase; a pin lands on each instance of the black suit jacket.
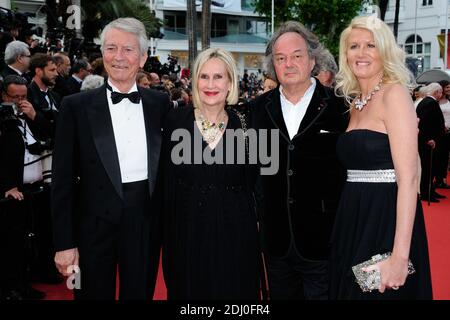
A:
(12, 151)
(60, 86)
(71, 86)
(86, 177)
(432, 123)
(297, 205)
(9, 71)
(45, 121)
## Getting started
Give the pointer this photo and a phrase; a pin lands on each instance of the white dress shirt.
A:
(293, 113)
(49, 101)
(31, 172)
(445, 107)
(130, 135)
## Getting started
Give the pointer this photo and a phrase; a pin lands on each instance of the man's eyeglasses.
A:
(16, 98)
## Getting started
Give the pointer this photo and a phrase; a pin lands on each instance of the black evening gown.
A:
(210, 249)
(365, 223)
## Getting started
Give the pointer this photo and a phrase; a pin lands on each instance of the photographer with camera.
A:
(46, 103)
(20, 172)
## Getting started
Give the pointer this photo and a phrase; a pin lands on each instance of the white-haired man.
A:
(17, 59)
(105, 164)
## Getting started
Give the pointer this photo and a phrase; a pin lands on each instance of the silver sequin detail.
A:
(371, 176)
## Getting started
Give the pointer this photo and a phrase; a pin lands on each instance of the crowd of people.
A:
(104, 163)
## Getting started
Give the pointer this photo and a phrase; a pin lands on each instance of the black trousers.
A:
(13, 243)
(428, 164)
(131, 247)
(295, 278)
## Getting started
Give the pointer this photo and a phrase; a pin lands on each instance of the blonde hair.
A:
(230, 65)
(393, 57)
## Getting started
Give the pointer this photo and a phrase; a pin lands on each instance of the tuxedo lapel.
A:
(100, 122)
(273, 108)
(153, 133)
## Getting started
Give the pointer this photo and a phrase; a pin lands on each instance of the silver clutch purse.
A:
(369, 281)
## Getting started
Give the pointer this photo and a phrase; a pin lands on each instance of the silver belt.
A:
(372, 176)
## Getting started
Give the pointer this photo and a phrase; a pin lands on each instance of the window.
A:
(175, 23)
(256, 27)
(421, 54)
(233, 26)
(218, 26)
(427, 2)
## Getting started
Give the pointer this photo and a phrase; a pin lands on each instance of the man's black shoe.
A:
(431, 200)
(438, 195)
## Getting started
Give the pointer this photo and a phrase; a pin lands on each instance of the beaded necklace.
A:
(361, 102)
(210, 131)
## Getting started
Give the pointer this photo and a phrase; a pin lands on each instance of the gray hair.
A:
(14, 50)
(130, 25)
(431, 88)
(80, 64)
(314, 47)
(326, 62)
(92, 81)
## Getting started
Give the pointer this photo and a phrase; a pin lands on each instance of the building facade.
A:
(234, 27)
(420, 23)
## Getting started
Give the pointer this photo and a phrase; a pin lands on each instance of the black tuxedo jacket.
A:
(12, 151)
(71, 86)
(60, 86)
(45, 121)
(86, 176)
(297, 205)
(432, 123)
(7, 71)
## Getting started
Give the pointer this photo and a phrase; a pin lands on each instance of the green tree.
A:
(97, 13)
(326, 18)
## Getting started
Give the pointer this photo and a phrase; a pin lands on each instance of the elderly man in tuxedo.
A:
(104, 170)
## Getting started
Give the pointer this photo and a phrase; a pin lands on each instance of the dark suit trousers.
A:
(428, 164)
(295, 278)
(131, 247)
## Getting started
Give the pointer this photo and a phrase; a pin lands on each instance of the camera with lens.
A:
(38, 147)
(9, 112)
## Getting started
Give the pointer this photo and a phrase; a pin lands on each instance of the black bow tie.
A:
(116, 97)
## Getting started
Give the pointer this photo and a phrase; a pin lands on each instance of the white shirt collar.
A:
(76, 78)
(132, 89)
(18, 71)
(308, 91)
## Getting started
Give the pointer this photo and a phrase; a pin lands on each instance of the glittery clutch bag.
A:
(371, 280)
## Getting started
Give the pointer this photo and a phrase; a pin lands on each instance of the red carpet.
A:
(437, 219)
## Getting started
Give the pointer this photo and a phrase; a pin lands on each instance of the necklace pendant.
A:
(359, 104)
